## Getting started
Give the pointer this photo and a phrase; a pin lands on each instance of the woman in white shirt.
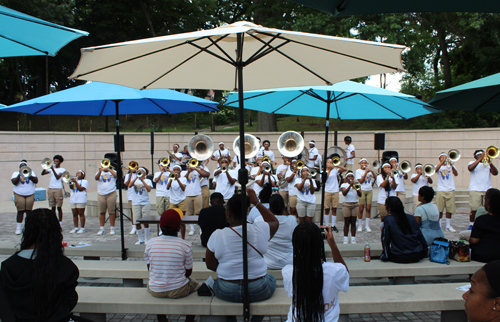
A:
(78, 200)
(306, 200)
(24, 193)
(106, 197)
(350, 206)
(224, 254)
(386, 188)
(314, 285)
(332, 192)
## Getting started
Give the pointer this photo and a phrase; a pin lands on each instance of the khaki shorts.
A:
(183, 291)
(55, 197)
(446, 199)
(331, 200)
(78, 205)
(141, 211)
(284, 194)
(205, 194)
(381, 210)
(293, 201)
(181, 206)
(193, 205)
(162, 204)
(476, 199)
(366, 197)
(131, 210)
(24, 202)
(107, 202)
(350, 209)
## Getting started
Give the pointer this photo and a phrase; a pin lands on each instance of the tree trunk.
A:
(445, 59)
(267, 122)
(148, 20)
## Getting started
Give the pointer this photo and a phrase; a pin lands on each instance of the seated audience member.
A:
(485, 235)
(482, 300)
(224, 254)
(402, 239)
(312, 284)
(212, 218)
(280, 250)
(465, 234)
(427, 215)
(170, 262)
(39, 282)
(264, 197)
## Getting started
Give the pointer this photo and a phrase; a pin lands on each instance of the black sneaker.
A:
(335, 229)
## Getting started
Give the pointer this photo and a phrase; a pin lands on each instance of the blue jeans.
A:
(258, 290)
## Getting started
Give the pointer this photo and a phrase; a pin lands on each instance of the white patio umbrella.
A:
(216, 59)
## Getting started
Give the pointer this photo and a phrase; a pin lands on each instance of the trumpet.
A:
(193, 163)
(46, 163)
(223, 168)
(453, 156)
(395, 172)
(336, 161)
(140, 173)
(25, 172)
(267, 168)
(67, 177)
(429, 170)
(172, 176)
(133, 165)
(313, 172)
(164, 162)
(491, 153)
(356, 186)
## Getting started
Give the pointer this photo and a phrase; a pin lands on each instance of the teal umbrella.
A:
(482, 95)
(356, 7)
(24, 35)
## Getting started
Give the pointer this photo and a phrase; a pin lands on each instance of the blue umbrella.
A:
(108, 99)
(24, 35)
(343, 101)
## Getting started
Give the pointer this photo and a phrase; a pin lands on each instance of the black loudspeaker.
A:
(387, 155)
(119, 143)
(379, 141)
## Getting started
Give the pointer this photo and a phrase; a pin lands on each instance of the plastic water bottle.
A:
(367, 252)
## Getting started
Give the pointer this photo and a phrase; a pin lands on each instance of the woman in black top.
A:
(485, 235)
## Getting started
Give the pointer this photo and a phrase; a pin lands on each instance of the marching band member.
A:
(480, 181)
(185, 157)
(281, 174)
(224, 181)
(78, 200)
(222, 152)
(268, 152)
(350, 153)
(194, 200)
(177, 158)
(55, 192)
(205, 192)
(263, 178)
(400, 181)
(332, 192)
(350, 206)
(177, 187)
(261, 148)
(306, 200)
(386, 188)
(419, 180)
(445, 196)
(366, 177)
(106, 197)
(130, 194)
(292, 190)
(313, 154)
(257, 169)
(162, 193)
(141, 204)
(24, 194)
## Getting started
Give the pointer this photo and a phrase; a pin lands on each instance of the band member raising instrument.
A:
(176, 157)
(281, 174)
(306, 200)
(387, 188)
(312, 154)
(332, 192)
(222, 152)
(78, 200)
(140, 202)
(24, 182)
(257, 169)
(224, 179)
(162, 193)
(177, 186)
(268, 152)
(350, 153)
(351, 190)
(445, 196)
(185, 158)
(400, 180)
(264, 177)
(106, 197)
(55, 192)
(290, 176)
(131, 175)
(194, 200)
(366, 177)
(419, 180)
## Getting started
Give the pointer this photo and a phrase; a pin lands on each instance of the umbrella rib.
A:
(215, 43)
(315, 95)
(43, 109)
(103, 107)
(229, 61)
(404, 118)
(161, 108)
(486, 102)
(25, 45)
(295, 98)
(250, 97)
(40, 22)
(263, 49)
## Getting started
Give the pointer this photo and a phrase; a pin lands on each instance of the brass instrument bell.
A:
(46, 163)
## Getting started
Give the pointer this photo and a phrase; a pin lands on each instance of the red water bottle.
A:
(367, 252)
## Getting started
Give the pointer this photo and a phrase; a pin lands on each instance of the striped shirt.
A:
(168, 258)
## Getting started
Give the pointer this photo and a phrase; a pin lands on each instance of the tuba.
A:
(491, 153)
(338, 156)
(429, 170)
(251, 146)
(200, 147)
(453, 156)
(290, 144)
(46, 163)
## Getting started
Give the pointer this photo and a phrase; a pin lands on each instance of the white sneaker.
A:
(450, 229)
(81, 231)
(368, 230)
(139, 242)
(353, 242)
(360, 229)
(346, 242)
(100, 232)
(18, 231)
(74, 230)
(133, 231)
(191, 232)
(112, 231)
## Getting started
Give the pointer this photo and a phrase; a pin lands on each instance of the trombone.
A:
(403, 167)
(375, 164)
(105, 163)
(133, 165)
(193, 163)
(67, 177)
(428, 170)
(356, 186)
(164, 162)
(454, 156)
(46, 163)
(172, 176)
(491, 153)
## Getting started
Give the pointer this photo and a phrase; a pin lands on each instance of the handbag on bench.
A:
(439, 250)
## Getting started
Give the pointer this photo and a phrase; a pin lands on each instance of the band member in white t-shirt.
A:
(162, 193)
(350, 153)
(106, 198)
(177, 158)
(366, 178)
(55, 192)
(205, 192)
(386, 188)
(350, 206)
(306, 200)
(24, 194)
(313, 154)
(141, 204)
(222, 152)
(130, 194)
(256, 170)
(194, 200)
(281, 174)
(177, 188)
(263, 178)
(480, 181)
(332, 192)
(445, 196)
(268, 152)
(224, 182)
(78, 200)
(400, 181)
(290, 175)
(419, 179)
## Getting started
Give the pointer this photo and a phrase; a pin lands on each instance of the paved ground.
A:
(7, 228)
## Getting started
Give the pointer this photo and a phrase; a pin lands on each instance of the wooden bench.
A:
(95, 302)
